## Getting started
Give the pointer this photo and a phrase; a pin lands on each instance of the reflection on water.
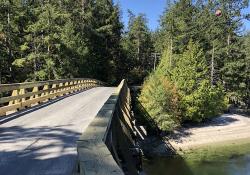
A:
(239, 165)
(202, 163)
(166, 166)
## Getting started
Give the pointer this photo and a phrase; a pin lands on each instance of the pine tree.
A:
(177, 26)
(102, 32)
(219, 37)
(160, 98)
(246, 86)
(200, 99)
(42, 46)
(222, 35)
(41, 40)
(9, 38)
(234, 64)
(138, 45)
(173, 94)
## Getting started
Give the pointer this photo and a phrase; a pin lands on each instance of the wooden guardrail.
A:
(108, 146)
(18, 96)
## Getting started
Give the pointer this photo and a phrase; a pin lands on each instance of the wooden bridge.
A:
(43, 125)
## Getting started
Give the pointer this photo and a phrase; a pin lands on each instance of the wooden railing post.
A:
(75, 86)
(22, 92)
(28, 94)
(53, 91)
(45, 87)
(60, 90)
(14, 93)
(14, 102)
(66, 87)
(35, 89)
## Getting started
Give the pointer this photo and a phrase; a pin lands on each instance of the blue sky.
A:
(153, 9)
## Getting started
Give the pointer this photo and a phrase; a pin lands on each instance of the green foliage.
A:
(10, 17)
(103, 35)
(160, 98)
(219, 37)
(138, 46)
(203, 103)
(186, 81)
(199, 99)
(244, 86)
(213, 69)
(41, 40)
(204, 57)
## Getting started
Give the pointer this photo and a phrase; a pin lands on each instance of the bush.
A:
(205, 102)
(160, 98)
(182, 91)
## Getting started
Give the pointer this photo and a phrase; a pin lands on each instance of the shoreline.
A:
(226, 130)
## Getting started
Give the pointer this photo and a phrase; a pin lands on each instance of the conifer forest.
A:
(195, 66)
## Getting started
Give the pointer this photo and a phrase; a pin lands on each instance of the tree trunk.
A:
(34, 61)
(155, 61)
(228, 43)
(171, 52)
(84, 4)
(9, 41)
(212, 66)
(0, 75)
(138, 50)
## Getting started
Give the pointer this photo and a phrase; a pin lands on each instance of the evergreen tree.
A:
(219, 37)
(247, 73)
(43, 42)
(197, 98)
(177, 26)
(10, 38)
(103, 35)
(200, 99)
(234, 65)
(138, 46)
(160, 98)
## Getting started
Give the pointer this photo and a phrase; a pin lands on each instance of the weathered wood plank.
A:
(28, 94)
(11, 87)
(59, 88)
(12, 107)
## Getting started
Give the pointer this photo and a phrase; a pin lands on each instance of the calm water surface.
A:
(208, 161)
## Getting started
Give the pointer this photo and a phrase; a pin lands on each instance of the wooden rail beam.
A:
(28, 94)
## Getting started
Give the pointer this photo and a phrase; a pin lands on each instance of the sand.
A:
(226, 129)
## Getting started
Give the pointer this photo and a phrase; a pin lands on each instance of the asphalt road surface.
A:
(43, 142)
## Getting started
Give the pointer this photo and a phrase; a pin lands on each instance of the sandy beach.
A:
(226, 129)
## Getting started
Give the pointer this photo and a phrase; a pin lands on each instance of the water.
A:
(226, 160)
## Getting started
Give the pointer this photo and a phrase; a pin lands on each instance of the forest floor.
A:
(226, 129)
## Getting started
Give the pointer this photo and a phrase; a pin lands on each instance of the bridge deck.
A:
(44, 141)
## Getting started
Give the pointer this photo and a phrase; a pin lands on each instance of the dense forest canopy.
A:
(204, 63)
(47, 39)
(205, 58)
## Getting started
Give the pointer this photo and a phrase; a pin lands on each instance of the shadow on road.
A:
(40, 150)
